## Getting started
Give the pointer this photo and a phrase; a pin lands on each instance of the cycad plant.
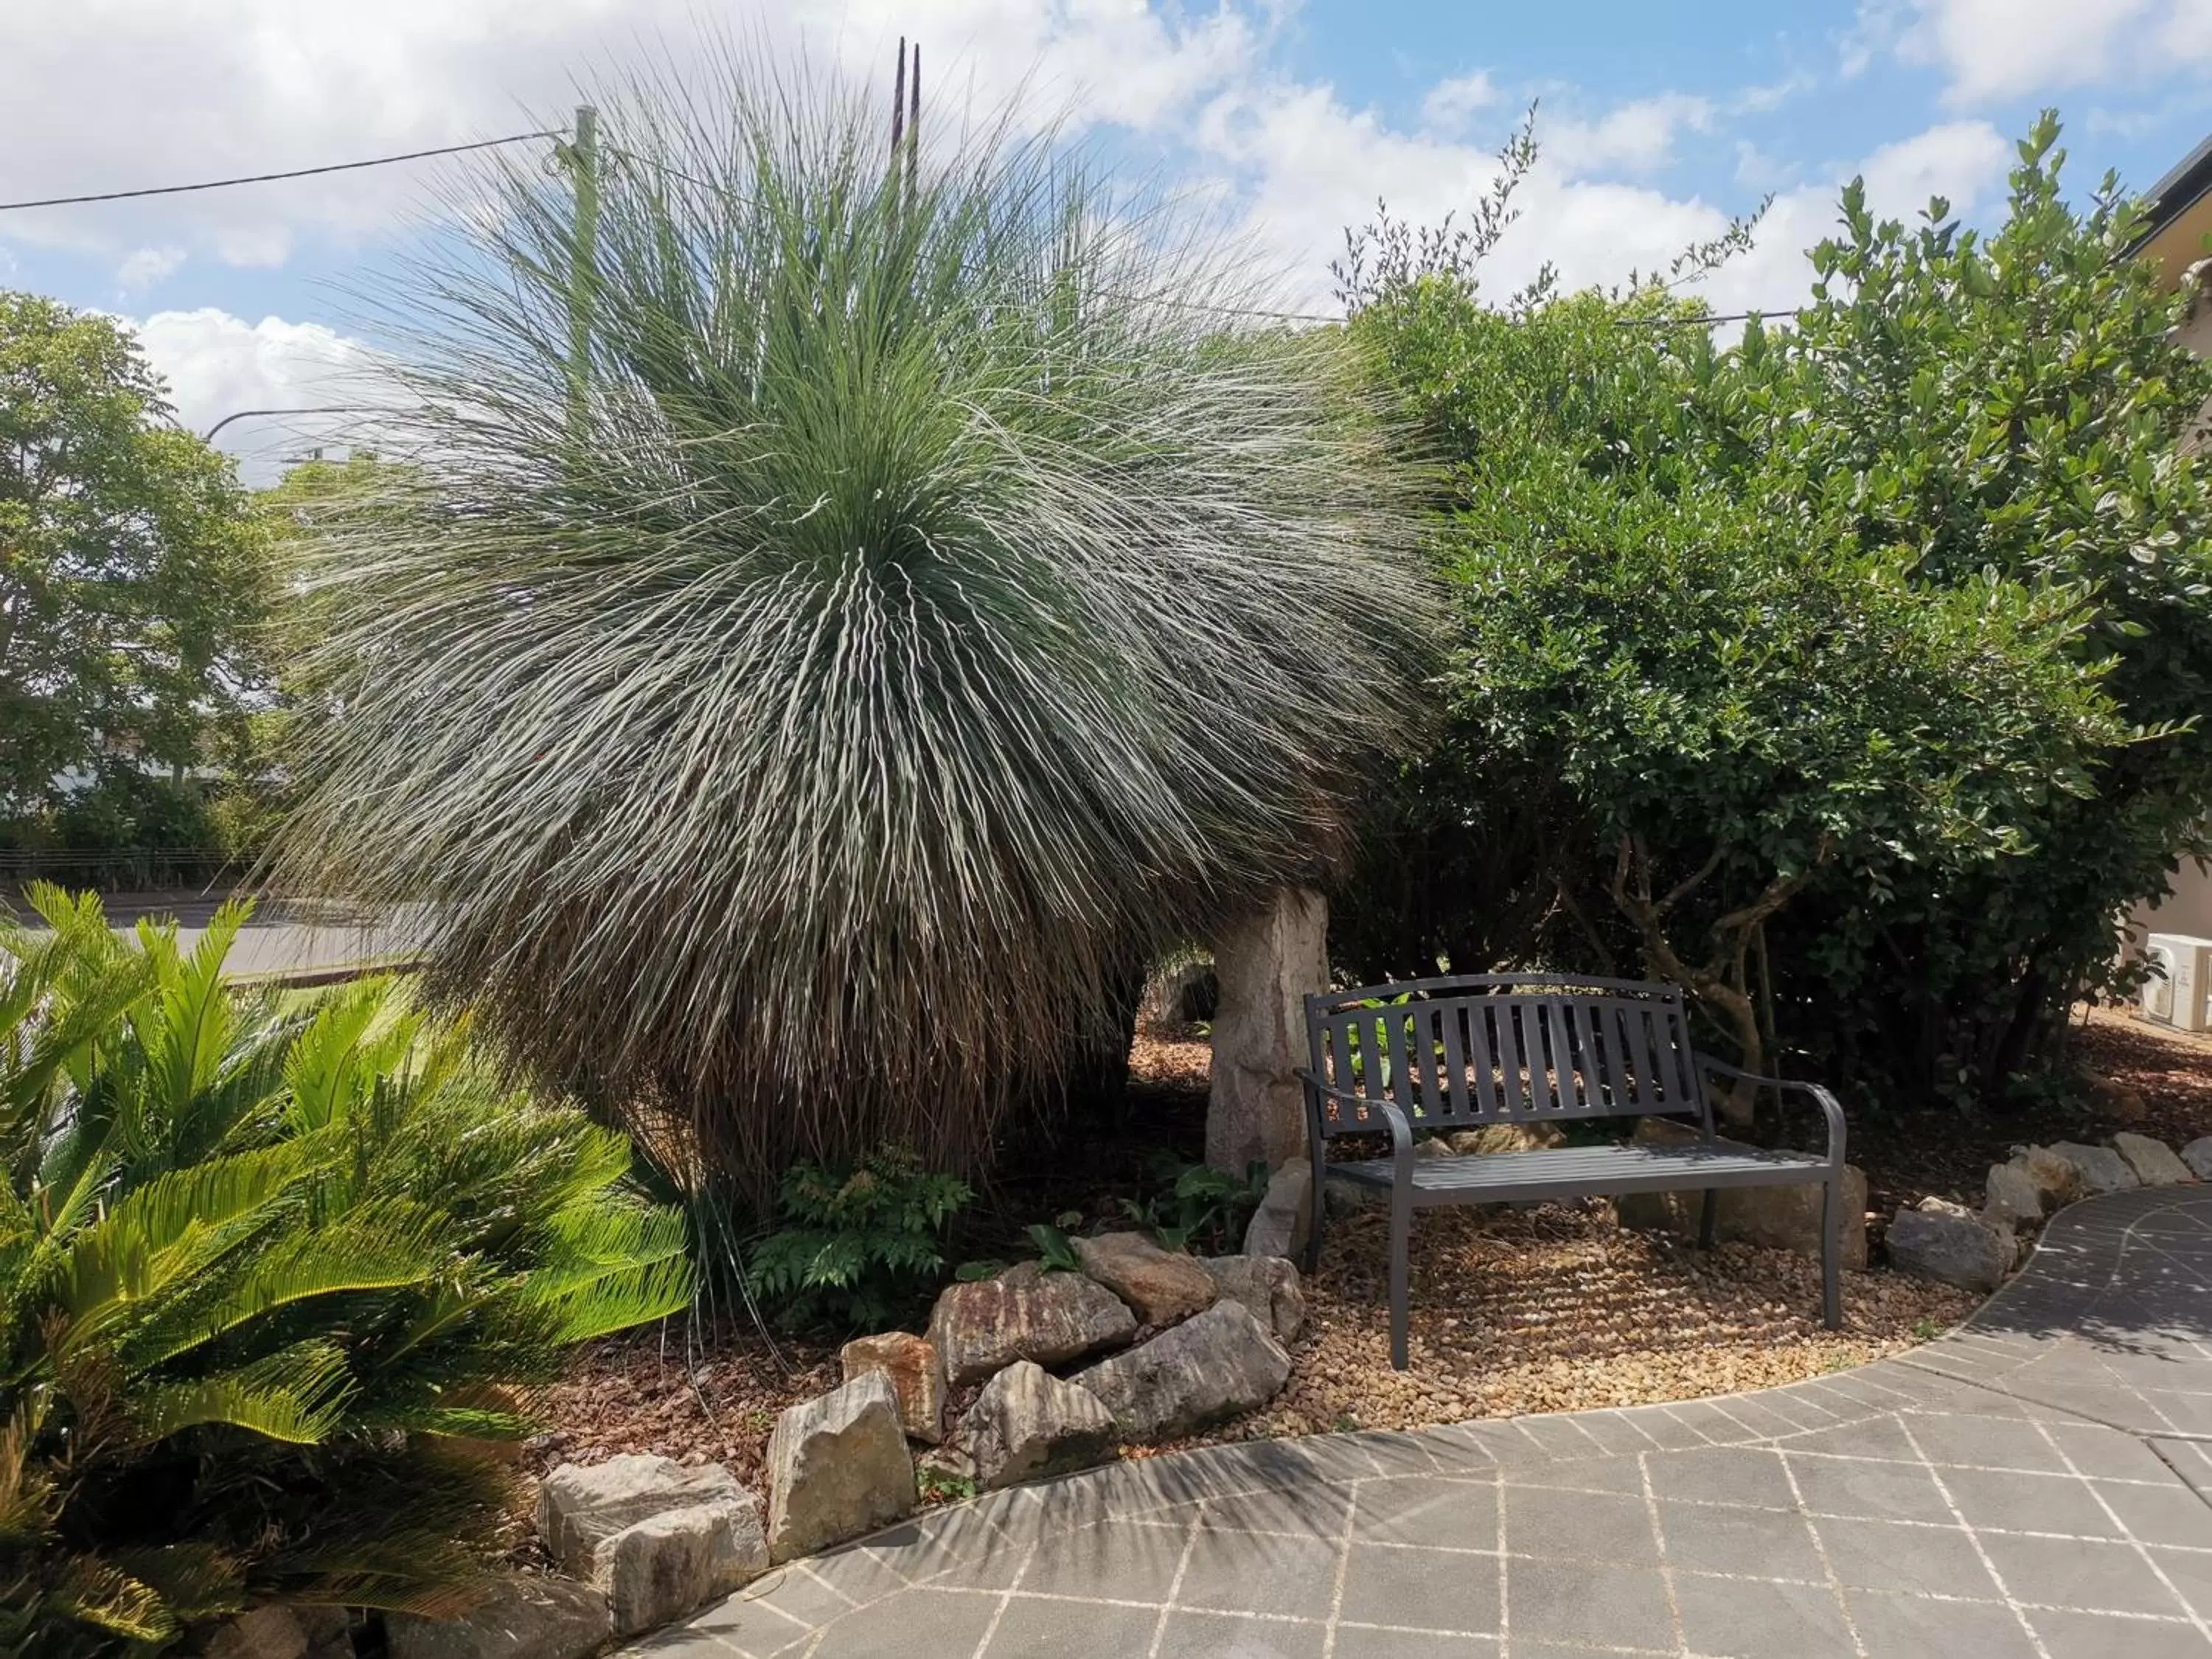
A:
(930, 596)
(268, 1279)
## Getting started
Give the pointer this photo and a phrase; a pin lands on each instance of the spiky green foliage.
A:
(934, 608)
(857, 1248)
(265, 1279)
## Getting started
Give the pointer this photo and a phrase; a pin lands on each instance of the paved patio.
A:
(2034, 1483)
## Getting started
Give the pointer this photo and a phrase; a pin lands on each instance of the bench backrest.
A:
(1460, 1053)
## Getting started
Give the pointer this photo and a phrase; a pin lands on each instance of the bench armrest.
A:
(1401, 1131)
(1831, 1108)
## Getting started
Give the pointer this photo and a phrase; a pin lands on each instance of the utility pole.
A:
(583, 158)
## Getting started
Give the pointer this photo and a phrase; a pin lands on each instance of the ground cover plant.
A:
(271, 1279)
(807, 710)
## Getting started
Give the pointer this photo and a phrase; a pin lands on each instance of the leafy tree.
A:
(267, 1279)
(1845, 675)
(132, 571)
(928, 610)
(2014, 406)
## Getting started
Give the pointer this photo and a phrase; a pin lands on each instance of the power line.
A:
(295, 173)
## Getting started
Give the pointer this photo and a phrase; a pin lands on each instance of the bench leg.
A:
(1316, 1210)
(1832, 1229)
(1708, 1219)
(1401, 1238)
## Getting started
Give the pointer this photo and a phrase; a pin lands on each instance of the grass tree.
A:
(943, 593)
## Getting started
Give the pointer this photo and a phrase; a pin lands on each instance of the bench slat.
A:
(1582, 1169)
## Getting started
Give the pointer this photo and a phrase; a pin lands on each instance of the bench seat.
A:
(1474, 1051)
(1564, 1171)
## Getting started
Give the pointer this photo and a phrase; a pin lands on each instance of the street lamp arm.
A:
(321, 408)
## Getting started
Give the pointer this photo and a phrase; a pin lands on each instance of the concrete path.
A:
(2034, 1483)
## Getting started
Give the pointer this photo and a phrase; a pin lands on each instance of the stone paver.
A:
(2034, 1483)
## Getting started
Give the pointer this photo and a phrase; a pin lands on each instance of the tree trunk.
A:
(1267, 965)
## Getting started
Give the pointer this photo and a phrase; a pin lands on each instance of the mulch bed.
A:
(1550, 1308)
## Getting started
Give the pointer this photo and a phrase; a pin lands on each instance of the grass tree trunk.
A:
(1265, 964)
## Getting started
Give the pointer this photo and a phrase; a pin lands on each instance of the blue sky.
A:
(1658, 121)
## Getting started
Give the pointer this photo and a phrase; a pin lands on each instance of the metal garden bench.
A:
(1463, 1053)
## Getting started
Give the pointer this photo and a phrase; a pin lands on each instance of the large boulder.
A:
(2012, 1196)
(1950, 1243)
(1506, 1138)
(1207, 1369)
(1159, 1286)
(279, 1631)
(2054, 1177)
(837, 1466)
(2153, 1160)
(917, 1378)
(1774, 1218)
(2099, 1169)
(580, 1506)
(1265, 966)
(1025, 1313)
(1028, 1424)
(662, 1567)
(2198, 1155)
(517, 1617)
(1266, 1286)
(1281, 1223)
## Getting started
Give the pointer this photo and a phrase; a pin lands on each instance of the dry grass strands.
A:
(918, 614)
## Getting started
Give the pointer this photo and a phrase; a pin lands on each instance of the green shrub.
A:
(857, 1245)
(1850, 674)
(1199, 1208)
(267, 1276)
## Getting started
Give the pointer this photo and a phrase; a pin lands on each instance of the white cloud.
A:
(146, 266)
(218, 365)
(1636, 138)
(1959, 160)
(1999, 49)
(1450, 103)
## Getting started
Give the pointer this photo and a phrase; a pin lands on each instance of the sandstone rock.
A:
(2198, 1155)
(1264, 966)
(947, 1462)
(1025, 1313)
(1773, 1218)
(1281, 1225)
(1507, 1138)
(1208, 1368)
(2117, 1101)
(580, 1506)
(1266, 1287)
(1179, 996)
(2057, 1178)
(662, 1567)
(1434, 1147)
(2153, 1160)
(837, 1466)
(917, 1378)
(1947, 1242)
(519, 1618)
(2100, 1168)
(2012, 1194)
(1159, 1285)
(282, 1632)
(1345, 1198)
(1028, 1424)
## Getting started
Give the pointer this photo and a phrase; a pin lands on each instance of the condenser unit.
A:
(2176, 993)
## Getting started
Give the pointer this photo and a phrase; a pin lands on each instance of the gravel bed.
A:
(1560, 1309)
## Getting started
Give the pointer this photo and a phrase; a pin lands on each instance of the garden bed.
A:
(1555, 1307)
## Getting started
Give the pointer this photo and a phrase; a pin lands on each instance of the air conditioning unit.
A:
(2176, 994)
